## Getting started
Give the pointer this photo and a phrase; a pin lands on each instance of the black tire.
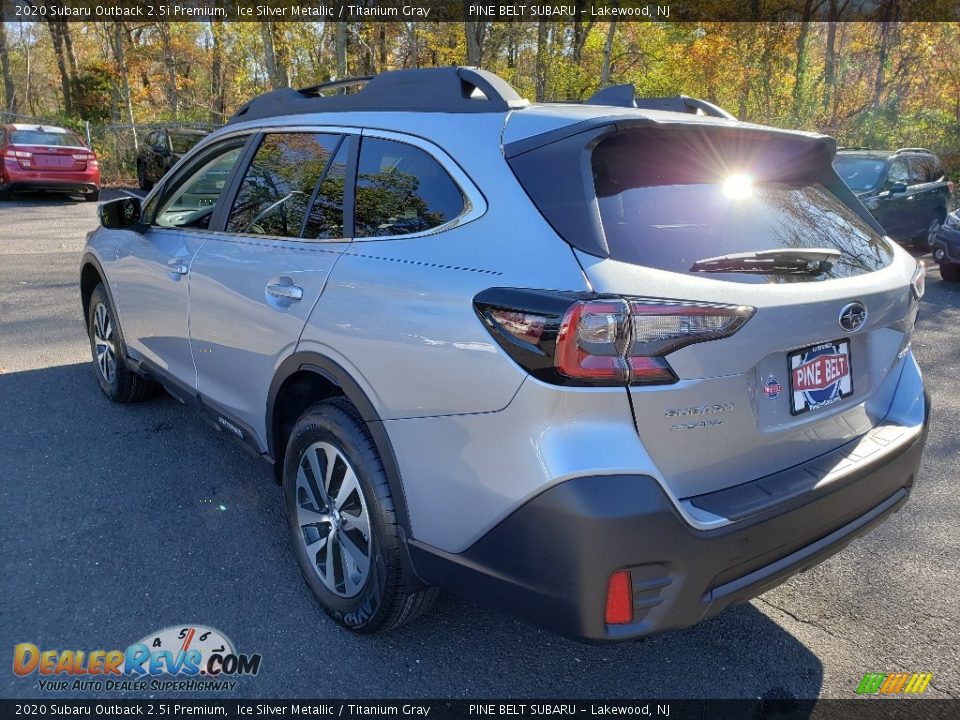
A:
(381, 603)
(142, 180)
(122, 385)
(950, 271)
(92, 197)
(924, 241)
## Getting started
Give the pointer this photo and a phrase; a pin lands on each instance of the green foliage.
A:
(93, 89)
(885, 86)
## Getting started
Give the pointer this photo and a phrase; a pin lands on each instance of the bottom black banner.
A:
(866, 708)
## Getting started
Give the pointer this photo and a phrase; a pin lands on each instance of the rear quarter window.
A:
(402, 190)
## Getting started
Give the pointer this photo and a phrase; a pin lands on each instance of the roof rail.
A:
(853, 147)
(916, 150)
(625, 96)
(451, 89)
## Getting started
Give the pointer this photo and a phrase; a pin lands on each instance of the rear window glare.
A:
(667, 205)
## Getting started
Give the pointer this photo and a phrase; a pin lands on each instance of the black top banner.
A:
(481, 11)
(173, 709)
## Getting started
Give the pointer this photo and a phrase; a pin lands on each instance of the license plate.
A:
(819, 376)
(52, 161)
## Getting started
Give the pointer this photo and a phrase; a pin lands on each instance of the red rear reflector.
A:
(619, 599)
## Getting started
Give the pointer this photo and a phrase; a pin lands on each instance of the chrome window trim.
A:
(474, 203)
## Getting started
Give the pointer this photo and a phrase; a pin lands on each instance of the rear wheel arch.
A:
(306, 378)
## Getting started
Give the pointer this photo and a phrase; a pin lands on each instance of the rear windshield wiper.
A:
(782, 261)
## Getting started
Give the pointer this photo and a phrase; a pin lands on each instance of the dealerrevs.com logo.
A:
(189, 657)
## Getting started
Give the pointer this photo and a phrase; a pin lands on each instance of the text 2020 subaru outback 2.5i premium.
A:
(611, 369)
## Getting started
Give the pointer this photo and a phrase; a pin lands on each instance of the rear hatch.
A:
(724, 216)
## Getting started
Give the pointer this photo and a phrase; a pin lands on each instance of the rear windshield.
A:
(859, 173)
(666, 211)
(41, 137)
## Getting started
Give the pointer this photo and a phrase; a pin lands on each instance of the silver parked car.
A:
(610, 366)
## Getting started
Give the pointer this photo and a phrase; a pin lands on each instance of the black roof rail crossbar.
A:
(625, 96)
(853, 147)
(451, 89)
(684, 103)
(614, 96)
(916, 150)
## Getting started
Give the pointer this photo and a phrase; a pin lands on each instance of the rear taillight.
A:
(950, 185)
(88, 158)
(919, 280)
(572, 339)
(22, 155)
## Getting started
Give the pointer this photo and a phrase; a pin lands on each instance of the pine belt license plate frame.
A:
(804, 400)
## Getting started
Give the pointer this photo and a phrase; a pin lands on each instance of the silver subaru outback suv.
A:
(609, 366)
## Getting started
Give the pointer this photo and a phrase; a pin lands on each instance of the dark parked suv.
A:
(906, 190)
(162, 150)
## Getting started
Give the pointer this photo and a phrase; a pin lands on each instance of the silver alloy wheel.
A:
(333, 519)
(932, 231)
(106, 350)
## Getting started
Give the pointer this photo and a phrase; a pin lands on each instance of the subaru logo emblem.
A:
(853, 316)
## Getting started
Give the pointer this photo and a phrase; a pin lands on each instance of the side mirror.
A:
(120, 214)
(898, 187)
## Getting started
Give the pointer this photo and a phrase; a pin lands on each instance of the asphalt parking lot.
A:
(116, 521)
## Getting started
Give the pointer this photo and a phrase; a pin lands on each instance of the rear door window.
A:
(401, 190)
(667, 207)
(325, 219)
(921, 171)
(278, 186)
(899, 172)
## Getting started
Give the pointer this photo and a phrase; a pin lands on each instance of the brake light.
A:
(950, 185)
(17, 154)
(568, 339)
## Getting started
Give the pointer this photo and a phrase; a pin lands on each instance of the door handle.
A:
(287, 292)
(177, 266)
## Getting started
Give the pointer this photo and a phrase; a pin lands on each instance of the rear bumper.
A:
(16, 179)
(550, 561)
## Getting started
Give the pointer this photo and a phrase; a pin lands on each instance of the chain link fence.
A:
(116, 144)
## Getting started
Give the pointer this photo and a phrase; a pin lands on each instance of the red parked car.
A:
(43, 157)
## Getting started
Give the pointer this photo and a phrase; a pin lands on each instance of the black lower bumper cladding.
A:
(550, 561)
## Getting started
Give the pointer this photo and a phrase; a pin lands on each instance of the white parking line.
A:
(133, 194)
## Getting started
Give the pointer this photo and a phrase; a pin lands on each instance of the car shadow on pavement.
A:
(118, 521)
